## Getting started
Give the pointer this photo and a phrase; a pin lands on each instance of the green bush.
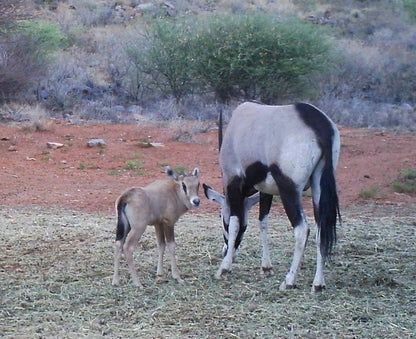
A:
(406, 182)
(164, 56)
(26, 55)
(258, 55)
(255, 56)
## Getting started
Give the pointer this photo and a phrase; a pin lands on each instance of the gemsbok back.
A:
(279, 150)
(160, 204)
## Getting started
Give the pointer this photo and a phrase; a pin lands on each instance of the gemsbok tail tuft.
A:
(328, 210)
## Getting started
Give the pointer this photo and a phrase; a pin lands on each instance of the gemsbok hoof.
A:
(284, 287)
(317, 289)
(266, 271)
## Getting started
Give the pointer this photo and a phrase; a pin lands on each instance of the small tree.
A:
(165, 57)
(257, 55)
(26, 49)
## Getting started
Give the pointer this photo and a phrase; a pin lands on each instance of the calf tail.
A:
(123, 224)
(328, 209)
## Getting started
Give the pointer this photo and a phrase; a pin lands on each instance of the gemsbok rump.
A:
(160, 204)
(279, 150)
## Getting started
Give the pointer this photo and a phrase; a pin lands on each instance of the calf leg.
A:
(118, 250)
(265, 204)
(128, 249)
(161, 245)
(170, 240)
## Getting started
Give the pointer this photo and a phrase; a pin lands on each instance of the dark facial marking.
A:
(184, 188)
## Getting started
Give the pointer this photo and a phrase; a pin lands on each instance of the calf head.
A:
(188, 186)
(220, 199)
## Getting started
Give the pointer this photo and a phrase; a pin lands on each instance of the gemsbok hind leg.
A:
(265, 204)
(293, 207)
(318, 281)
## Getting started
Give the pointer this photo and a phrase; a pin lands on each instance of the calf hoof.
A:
(179, 280)
(318, 288)
(137, 284)
(266, 271)
(161, 279)
(221, 273)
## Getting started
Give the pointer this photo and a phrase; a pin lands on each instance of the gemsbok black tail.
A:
(328, 209)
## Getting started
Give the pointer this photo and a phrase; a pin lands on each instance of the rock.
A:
(12, 149)
(54, 145)
(96, 143)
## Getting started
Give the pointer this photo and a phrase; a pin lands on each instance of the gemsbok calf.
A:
(160, 204)
(279, 150)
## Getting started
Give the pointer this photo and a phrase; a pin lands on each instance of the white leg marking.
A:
(301, 236)
(266, 266)
(319, 281)
(228, 259)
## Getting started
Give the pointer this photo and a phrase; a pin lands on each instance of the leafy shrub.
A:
(370, 193)
(406, 182)
(165, 56)
(264, 58)
(231, 54)
(26, 54)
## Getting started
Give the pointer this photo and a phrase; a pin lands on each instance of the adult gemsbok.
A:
(279, 150)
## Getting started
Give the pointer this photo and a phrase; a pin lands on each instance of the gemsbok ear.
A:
(171, 174)
(250, 201)
(195, 172)
(213, 195)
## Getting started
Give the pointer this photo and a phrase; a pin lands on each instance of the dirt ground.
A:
(79, 177)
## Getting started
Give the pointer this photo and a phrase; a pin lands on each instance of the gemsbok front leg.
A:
(265, 204)
(292, 202)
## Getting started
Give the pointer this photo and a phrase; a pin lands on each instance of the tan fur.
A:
(160, 204)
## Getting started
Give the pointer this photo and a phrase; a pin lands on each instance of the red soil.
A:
(82, 178)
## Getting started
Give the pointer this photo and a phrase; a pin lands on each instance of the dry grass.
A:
(56, 266)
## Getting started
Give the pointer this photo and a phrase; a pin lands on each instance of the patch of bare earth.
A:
(83, 178)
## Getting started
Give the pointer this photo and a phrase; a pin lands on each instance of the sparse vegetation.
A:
(59, 283)
(135, 166)
(133, 57)
(406, 182)
(370, 193)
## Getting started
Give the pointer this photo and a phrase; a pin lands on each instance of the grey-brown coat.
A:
(160, 204)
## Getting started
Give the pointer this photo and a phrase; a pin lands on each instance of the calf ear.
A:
(171, 174)
(250, 201)
(195, 172)
(213, 195)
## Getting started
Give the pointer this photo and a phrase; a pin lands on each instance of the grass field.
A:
(56, 267)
